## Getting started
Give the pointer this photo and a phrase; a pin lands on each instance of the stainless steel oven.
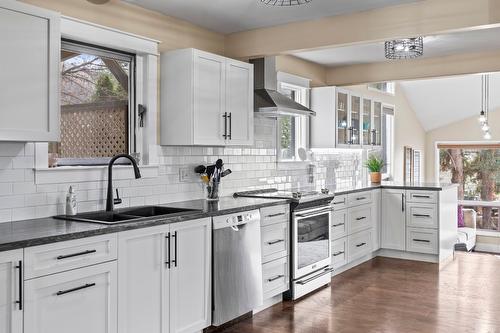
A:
(311, 241)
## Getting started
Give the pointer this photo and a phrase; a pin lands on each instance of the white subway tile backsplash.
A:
(11, 148)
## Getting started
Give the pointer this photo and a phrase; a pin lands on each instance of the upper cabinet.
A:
(344, 119)
(29, 67)
(206, 99)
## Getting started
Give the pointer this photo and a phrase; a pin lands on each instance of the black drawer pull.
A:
(361, 244)
(422, 215)
(421, 196)
(421, 240)
(76, 254)
(361, 198)
(275, 241)
(275, 278)
(338, 224)
(167, 237)
(275, 215)
(67, 291)
(339, 202)
(336, 254)
(360, 218)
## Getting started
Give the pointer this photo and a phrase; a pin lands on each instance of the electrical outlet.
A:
(186, 175)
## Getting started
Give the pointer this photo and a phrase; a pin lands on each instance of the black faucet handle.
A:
(117, 200)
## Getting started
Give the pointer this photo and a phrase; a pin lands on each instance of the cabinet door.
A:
(342, 118)
(366, 125)
(393, 220)
(29, 66)
(143, 302)
(190, 276)
(11, 314)
(209, 99)
(355, 116)
(376, 216)
(376, 138)
(239, 102)
(78, 301)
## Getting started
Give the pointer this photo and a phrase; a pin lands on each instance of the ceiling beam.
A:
(469, 63)
(426, 17)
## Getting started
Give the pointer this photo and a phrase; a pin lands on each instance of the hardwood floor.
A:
(391, 295)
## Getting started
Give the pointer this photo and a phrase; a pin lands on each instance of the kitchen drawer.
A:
(274, 214)
(275, 279)
(422, 196)
(422, 240)
(359, 218)
(339, 252)
(359, 245)
(274, 240)
(339, 202)
(58, 257)
(421, 215)
(359, 198)
(339, 224)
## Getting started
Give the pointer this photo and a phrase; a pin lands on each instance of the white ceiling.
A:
(227, 16)
(434, 46)
(442, 101)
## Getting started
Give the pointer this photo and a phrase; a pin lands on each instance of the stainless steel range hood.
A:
(267, 100)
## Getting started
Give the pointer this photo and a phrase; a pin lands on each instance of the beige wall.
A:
(172, 32)
(464, 130)
(293, 65)
(425, 17)
(407, 128)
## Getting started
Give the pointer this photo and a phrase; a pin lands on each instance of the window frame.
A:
(390, 92)
(389, 174)
(146, 93)
(302, 126)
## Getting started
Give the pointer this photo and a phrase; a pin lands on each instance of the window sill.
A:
(93, 173)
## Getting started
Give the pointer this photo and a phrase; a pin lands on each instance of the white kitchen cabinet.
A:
(165, 278)
(393, 223)
(78, 301)
(29, 67)
(11, 312)
(190, 276)
(376, 217)
(206, 99)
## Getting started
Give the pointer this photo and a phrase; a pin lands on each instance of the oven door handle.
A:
(312, 278)
(314, 213)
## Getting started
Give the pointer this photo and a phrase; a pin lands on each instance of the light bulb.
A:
(482, 117)
(487, 136)
(485, 127)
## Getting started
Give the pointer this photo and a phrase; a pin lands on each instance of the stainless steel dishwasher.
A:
(237, 266)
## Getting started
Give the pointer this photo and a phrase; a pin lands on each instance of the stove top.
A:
(296, 196)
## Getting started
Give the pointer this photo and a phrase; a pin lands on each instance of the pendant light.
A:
(485, 106)
(405, 48)
(285, 3)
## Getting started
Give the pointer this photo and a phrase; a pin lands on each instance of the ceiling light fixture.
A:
(406, 48)
(485, 106)
(285, 3)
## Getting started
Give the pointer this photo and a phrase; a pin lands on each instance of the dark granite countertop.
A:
(19, 234)
(391, 185)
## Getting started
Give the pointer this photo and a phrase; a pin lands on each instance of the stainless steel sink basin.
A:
(148, 211)
(126, 215)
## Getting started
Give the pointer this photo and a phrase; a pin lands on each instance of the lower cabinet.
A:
(78, 301)
(11, 308)
(393, 220)
(359, 244)
(165, 278)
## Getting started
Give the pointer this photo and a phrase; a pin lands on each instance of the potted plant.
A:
(375, 165)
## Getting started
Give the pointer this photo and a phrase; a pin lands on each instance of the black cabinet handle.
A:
(402, 202)
(67, 291)
(421, 240)
(274, 215)
(339, 202)
(361, 244)
(175, 261)
(338, 253)
(338, 224)
(360, 218)
(275, 241)
(421, 215)
(421, 196)
(76, 254)
(168, 250)
(275, 278)
(230, 136)
(20, 281)
(225, 125)
(360, 198)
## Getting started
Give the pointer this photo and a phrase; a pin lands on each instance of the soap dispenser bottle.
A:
(71, 208)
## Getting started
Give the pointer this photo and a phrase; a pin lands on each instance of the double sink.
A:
(127, 214)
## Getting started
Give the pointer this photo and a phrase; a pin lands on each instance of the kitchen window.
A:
(97, 107)
(292, 130)
(383, 87)
(388, 141)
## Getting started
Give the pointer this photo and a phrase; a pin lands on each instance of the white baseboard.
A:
(407, 255)
(353, 264)
(268, 303)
